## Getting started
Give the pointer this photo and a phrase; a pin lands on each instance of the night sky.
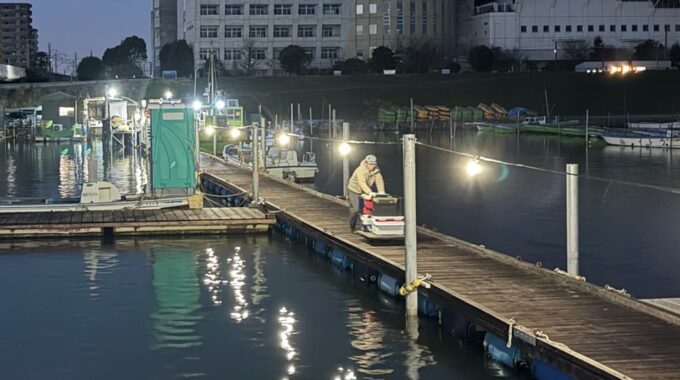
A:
(90, 25)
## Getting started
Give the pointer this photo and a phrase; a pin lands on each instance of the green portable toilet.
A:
(173, 146)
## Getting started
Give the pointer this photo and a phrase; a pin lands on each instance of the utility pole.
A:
(572, 220)
(410, 236)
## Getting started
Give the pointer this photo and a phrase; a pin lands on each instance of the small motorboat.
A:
(95, 196)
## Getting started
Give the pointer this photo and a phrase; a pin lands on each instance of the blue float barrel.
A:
(389, 284)
(544, 371)
(497, 348)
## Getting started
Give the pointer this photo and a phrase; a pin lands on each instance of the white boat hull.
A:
(643, 141)
(146, 204)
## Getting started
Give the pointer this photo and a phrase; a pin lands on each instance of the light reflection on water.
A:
(162, 308)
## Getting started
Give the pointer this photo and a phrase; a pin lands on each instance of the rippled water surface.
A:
(234, 308)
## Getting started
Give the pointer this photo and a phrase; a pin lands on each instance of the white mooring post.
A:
(254, 160)
(345, 161)
(572, 219)
(410, 243)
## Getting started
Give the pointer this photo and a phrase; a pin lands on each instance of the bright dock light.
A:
(235, 133)
(283, 139)
(473, 168)
(345, 149)
(209, 130)
(197, 105)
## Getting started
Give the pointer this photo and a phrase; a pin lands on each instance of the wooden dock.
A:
(133, 222)
(584, 330)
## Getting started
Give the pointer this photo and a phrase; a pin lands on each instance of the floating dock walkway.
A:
(133, 222)
(563, 328)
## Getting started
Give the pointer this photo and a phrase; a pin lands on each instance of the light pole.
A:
(410, 236)
(345, 160)
(256, 176)
(572, 220)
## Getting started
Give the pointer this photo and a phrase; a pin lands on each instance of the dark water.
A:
(229, 308)
(629, 236)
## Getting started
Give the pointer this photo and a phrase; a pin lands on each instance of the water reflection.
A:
(176, 286)
(212, 278)
(287, 329)
(367, 336)
(98, 263)
(417, 356)
(237, 277)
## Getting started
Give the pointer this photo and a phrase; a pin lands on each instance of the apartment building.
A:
(18, 38)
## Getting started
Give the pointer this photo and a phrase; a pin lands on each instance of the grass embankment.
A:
(355, 96)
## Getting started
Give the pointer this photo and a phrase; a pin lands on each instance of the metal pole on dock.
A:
(197, 147)
(263, 144)
(292, 120)
(335, 133)
(254, 159)
(412, 117)
(572, 219)
(345, 161)
(330, 120)
(215, 143)
(410, 242)
(587, 122)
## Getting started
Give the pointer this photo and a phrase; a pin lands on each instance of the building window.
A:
(372, 8)
(283, 9)
(558, 28)
(232, 54)
(259, 9)
(360, 53)
(677, 27)
(329, 52)
(233, 10)
(546, 28)
(579, 28)
(204, 54)
(209, 31)
(307, 9)
(591, 28)
(233, 32)
(306, 30)
(331, 9)
(258, 31)
(387, 19)
(330, 30)
(534, 29)
(612, 28)
(259, 54)
(667, 28)
(400, 17)
(624, 28)
(424, 17)
(412, 17)
(656, 27)
(210, 9)
(634, 27)
(67, 111)
(309, 52)
(645, 28)
(360, 30)
(360, 9)
(601, 28)
(373, 29)
(282, 31)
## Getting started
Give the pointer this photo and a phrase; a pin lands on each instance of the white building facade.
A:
(246, 36)
(541, 30)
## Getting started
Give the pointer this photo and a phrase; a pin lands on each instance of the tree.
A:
(123, 61)
(382, 59)
(91, 68)
(293, 59)
(481, 58)
(353, 66)
(39, 68)
(649, 50)
(602, 52)
(675, 55)
(248, 56)
(178, 56)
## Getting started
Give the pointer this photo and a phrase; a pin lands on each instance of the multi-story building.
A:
(248, 35)
(542, 30)
(163, 28)
(18, 38)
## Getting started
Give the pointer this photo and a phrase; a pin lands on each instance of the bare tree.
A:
(247, 62)
(576, 50)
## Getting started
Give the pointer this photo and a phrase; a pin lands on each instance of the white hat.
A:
(371, 159)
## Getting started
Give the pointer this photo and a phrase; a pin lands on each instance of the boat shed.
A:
(60, 107)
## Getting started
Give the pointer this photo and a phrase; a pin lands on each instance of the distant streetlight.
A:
(473, 168)
(344, 149)
(209, 130)
(168, 95)
(113, 93)
(235, 133)
(283, 139)
(197, 105)
(220, 104)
